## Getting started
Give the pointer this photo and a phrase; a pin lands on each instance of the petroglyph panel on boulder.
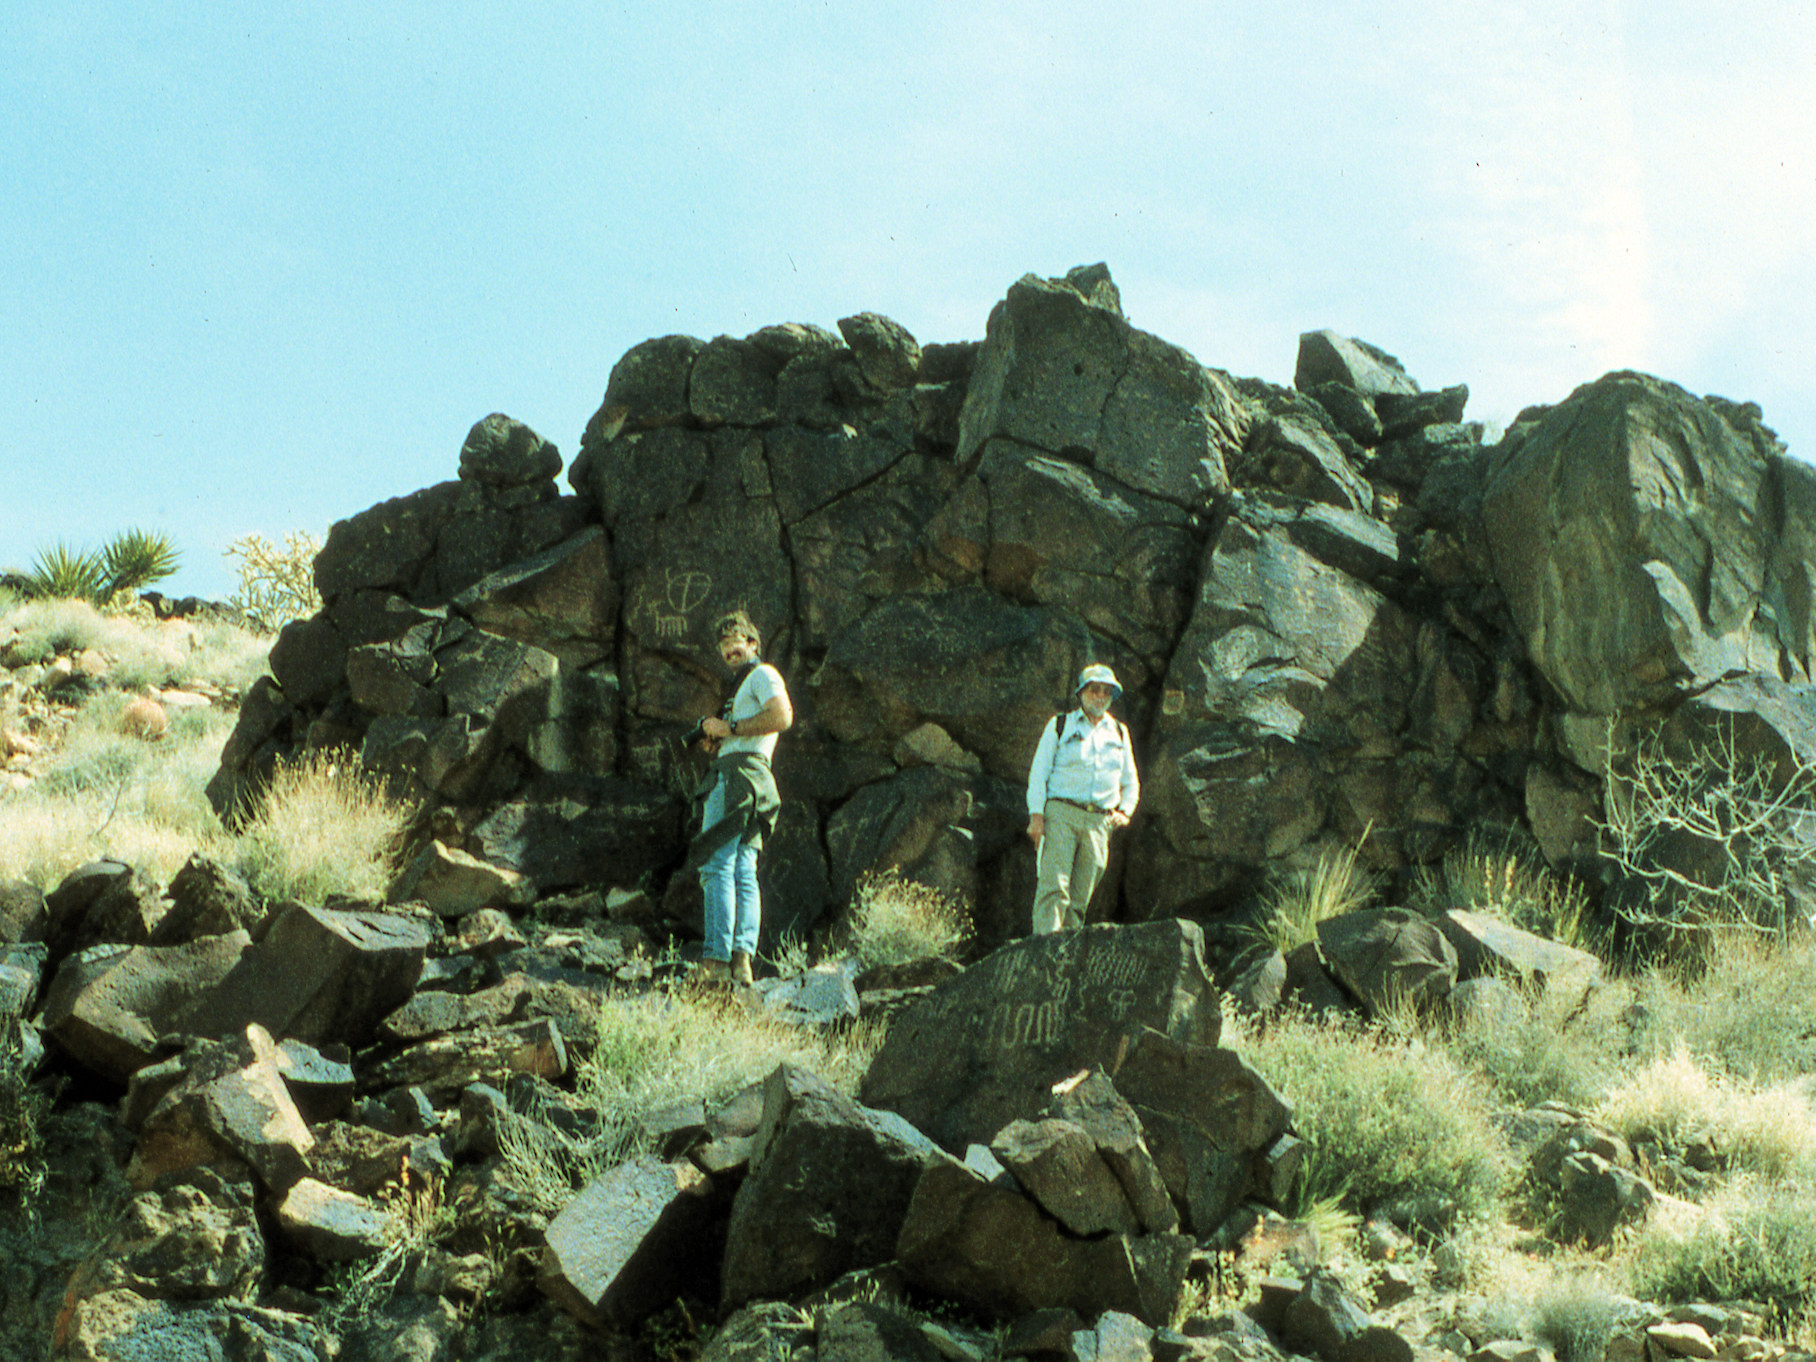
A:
(985, 1048)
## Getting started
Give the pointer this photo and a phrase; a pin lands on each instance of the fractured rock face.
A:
(227, 1107)
(829, 1184)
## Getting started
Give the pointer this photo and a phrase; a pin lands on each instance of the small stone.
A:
(1682, 1339)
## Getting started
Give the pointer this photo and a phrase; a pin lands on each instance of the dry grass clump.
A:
(323, 826)
(1563, 1050)
(1673, 1101)
(106, 794)
(1299, 901)
(1492, 875)
(1391, 1128)
(657, 1050)
(1751, 1011)
(896, 921)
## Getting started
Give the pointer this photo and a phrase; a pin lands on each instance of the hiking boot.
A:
(740, 969)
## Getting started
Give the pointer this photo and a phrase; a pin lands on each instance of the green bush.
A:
(23, 1109)
(64, 573)
(1763, 1249)
(1390, 1128)
(135, 558)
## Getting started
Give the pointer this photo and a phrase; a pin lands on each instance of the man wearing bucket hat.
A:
(1081, 786)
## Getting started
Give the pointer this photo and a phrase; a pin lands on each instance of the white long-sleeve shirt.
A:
(1091, 764)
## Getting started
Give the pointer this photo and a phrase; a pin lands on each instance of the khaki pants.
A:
(1073, 849)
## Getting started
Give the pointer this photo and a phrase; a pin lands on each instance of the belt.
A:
(1088, 808)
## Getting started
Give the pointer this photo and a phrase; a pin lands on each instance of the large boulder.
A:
(986, 1246)
(828, 1189)
(317, 974)
(629, 1242)
(1389, 956)
(986, 1047)
(1650, 543)
(109, 1007)
(1063, 371)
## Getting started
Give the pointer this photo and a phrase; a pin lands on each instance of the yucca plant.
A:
(136, 558)
(132, 561)
(66, 573)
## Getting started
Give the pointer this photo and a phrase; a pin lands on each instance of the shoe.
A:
(740, 969)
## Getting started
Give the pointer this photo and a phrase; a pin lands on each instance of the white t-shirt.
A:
(762, 685)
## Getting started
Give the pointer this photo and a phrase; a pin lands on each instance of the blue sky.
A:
(262, 272)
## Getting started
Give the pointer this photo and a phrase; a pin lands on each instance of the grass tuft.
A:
(896, 921)
(656, 1050)
(1674, 1100)
(1299, 901)
(323, 826)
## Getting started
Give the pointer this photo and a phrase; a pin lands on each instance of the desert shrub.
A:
(1751, 1011)
(655, 1050)
(895, 921)
(1674, 1100)
(1390, 1127)
(1559, 1052)
(322, 826)
(1299, 900)
(1706, 838)
(1758, 1245)
(23, 1109)
(277, 582)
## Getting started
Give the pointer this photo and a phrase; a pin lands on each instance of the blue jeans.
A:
(728, 878)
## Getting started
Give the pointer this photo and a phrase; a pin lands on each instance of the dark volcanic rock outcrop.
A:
(1333, 607)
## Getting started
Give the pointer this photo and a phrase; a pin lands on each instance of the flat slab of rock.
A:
(108, 1006)
(986, 1048)
(1487, 945)
(628, 1242)
(330, 1224)
(319, 975)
